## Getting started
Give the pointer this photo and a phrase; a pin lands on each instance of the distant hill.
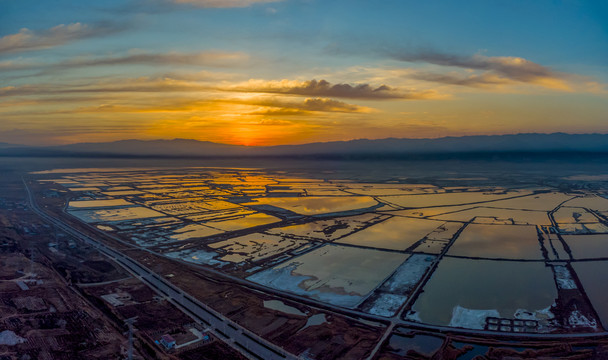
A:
(464, 144)
(4, 145)
(175, 147)
(557, 142)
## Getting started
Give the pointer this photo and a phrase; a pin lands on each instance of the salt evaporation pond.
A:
(419, 218)
(243, 222)
(338, 275)
(463, 292)
(570, 215)
(588, 228)
(329, 229)
(539, 202)
(98, 203)
(254, 247)
(592, 275)
(588, 246)
(429, 200)
(502, 216)
(397, 233)
(193, 231)
(197, 257)
(179, 208)
(123, 192)
(498, 242)
(398, 287)
(388, 189)
(116, 214)
(597, 203)
(312, 205)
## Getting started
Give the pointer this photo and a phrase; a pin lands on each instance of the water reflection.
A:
(398, 233)
(311, 205)
(592, 275)
(336, 274)
(485, 285)
(498, 242)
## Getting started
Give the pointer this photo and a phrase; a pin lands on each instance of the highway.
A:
(246, 342)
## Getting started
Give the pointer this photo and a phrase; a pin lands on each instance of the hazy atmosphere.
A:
(303, 179)
(265, 72)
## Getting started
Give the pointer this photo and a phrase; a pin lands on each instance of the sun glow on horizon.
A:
(280, 75)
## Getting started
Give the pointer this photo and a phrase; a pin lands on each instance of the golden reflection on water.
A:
(498, 241)
(345, 269)
(398, 233)
(311, 205)
(184, 213)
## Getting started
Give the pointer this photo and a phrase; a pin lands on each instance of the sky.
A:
(270, 72)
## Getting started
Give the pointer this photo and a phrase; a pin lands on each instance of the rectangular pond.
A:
(254, 247)
(116, 214)
(329, 229)
(314, 205)
(338, 275)
(396, 233)
(485, 215)
(498, 242)
(587, 246)
(463, 292)
(98, 203)
(592, 275)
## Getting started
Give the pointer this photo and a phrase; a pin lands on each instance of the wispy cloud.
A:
(167, 6)
(313, 88)
(323, 88)
(280, 107)
(265, 106)
(496, 70)
(141, 85)
(211, 58)
(512, 67)
(30, 40)
(320, 104)
(162, 95)
(202, 58)
(17, 64)
(481, 80)
(224, 3)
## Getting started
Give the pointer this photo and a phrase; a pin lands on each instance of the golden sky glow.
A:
(247, 72)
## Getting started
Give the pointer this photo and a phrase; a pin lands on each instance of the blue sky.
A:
(249, 71)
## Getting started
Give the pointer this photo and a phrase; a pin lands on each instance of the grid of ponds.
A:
(476, 257)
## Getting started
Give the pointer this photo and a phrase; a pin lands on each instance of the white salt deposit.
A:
(563, 277)
(471, 318)
(387, 304)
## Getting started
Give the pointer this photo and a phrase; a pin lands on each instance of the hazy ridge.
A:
(533, 142)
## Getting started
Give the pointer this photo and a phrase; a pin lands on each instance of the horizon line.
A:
(308, 143)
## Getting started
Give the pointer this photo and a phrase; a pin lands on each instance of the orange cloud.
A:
(280, 106)
(323, 88)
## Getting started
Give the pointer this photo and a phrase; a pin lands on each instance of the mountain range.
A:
(529, 143)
